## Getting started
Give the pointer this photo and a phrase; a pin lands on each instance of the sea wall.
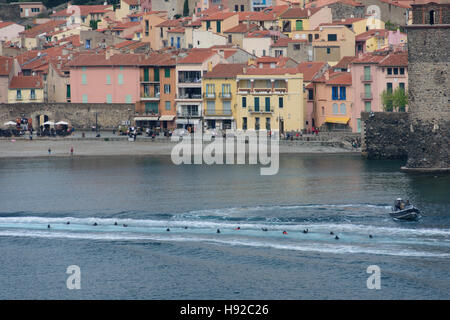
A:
(79, 115)
(384, 135)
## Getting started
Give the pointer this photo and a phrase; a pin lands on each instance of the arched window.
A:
(343, 108)
(432, 17)
(335, 108)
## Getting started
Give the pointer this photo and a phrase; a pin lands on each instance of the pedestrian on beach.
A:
(49, 151)
(71, 151)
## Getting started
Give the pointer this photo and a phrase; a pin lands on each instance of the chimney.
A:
(327, 75)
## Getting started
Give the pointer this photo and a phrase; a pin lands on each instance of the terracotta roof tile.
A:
(43, 28)
(344, 62)
(371, 33)
(323, 3)
(5, 24)
(344, 78)
(197, 56)
(169, 23)
(6, 64)
(310, 69)
(84, 10)
(92, 59)
(298, 13)
(242, 28)
(26, 82)
(225, 71)
(219, 16)
(395, 60)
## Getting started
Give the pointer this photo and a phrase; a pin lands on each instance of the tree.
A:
(399, 99)
(386, 100)
(186, 8)
(394, 101)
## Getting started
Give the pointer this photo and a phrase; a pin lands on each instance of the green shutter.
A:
(120, 78)
(299, 25)
(167, 72)
(218, 26)
(146, 74)
(68, 91)
(128, 98)
(256, 103)
(85, 98)
(108, 98)
(267, 103)
(366, 73)
(156, 74)
(83, 79)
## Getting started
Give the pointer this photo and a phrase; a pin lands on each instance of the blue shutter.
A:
(334, 93)
(343, 93)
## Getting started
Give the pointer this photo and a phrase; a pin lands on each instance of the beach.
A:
(20, 148)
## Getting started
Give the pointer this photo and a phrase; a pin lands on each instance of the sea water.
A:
(345, 195)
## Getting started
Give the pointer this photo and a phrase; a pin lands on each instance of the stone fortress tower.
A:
(429, 86)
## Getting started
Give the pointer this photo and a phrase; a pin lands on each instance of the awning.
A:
(342, 120)
(146, 118)
(166, 118)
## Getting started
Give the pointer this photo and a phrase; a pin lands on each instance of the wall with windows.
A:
(25, 95)
(115, 84)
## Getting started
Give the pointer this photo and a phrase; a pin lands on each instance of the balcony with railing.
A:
(189, 94)
(150, 93)
(226, 112)
(209, 95)
(190, 77)
(259, 110)
(188, 113)
(366, 95)
(225, 95)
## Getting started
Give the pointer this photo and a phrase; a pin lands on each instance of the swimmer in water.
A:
(337, 238)
(264, 229)
(238, 228)
(95, 224)
(284, 232)
(48, 227)
(305, 231)
(218, 230)
(167, 229)
(331, 232)
(125, 225)
(115, 223)
(68, 222)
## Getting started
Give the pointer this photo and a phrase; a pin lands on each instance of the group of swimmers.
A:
(237, 228)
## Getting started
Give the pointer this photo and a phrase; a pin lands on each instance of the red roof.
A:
(342, 22)
(310, 69)
(5, 24)
(169, 23)
(242, 28)
(344, 62)
(219, 16)
(99, 60)
(197, 56)
(132, 2)
(283, 42)
(257, 16)
(84, 10)
(271, 71)
(26, 82)
(371, 33)
(177, 30)
(159, 59)
(6, 64)
(344, 78)
(229, 70)
(395, 60)
(368, 58)
(260, 34)
(43, 28)
(298, 13)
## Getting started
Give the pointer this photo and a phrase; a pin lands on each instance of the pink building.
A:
(10, 30)
(333, 99)
(30, 9)
(105, 78)
(372, 74)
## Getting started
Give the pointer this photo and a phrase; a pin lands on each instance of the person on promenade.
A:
(49, 151)
(71, 151)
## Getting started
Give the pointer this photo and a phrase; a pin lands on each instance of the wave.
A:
(328, 248)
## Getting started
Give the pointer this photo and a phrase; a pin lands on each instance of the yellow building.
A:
(270, 99)
(26, 89)
(358, 25)
(219, 96)
(127, 7)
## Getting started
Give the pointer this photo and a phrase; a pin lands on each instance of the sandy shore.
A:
(61, 148)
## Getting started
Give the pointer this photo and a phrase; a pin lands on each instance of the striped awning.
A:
(342, 120)
(146, 118)
(166, 118)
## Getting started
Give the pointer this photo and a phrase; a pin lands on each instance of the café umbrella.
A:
(62, 123)
(10, 123)
(50, 123)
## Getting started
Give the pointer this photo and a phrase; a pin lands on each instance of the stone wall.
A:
(79, 115)
(9, 12)
(343, 11)
(384, 135)
(429, 97)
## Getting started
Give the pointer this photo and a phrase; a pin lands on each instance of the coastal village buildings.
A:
(241, 65)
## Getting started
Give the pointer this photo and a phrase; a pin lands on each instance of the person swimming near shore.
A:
(125, 225)
(167, 229)
(115, 223)
(238, 228)
(185, 228)
(264, 229)
(305, 231)
(285, 232)
(337, 238)
(95, 224)
(48, 227)
(68, 222)
(370, 236)
(218, 230)
(331, 232)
